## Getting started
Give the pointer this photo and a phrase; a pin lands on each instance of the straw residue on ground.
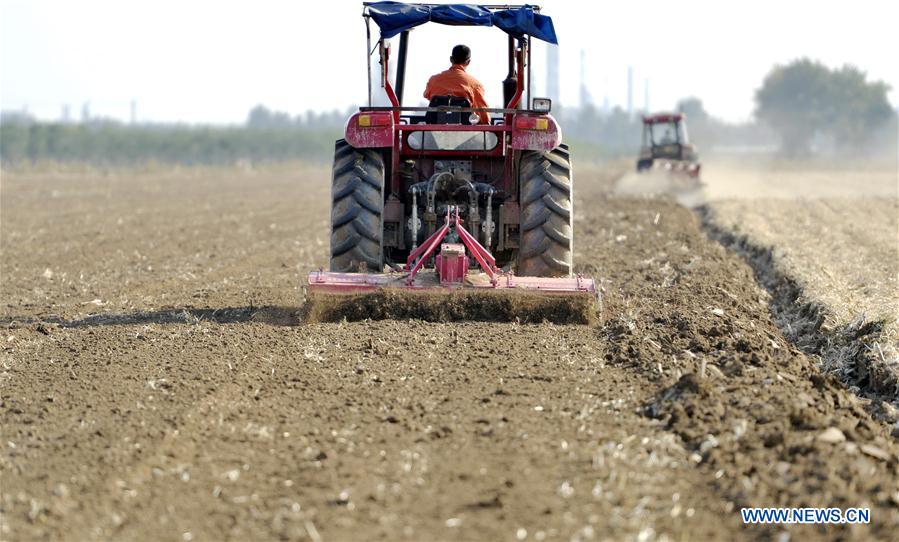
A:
(835, 232)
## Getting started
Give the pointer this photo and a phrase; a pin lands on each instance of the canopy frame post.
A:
(400, 76)
(368, 52)
(382, 54)
(527, 104)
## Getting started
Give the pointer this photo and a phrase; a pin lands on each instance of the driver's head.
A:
(461, 55)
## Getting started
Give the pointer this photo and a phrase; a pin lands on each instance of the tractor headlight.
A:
(541, 105)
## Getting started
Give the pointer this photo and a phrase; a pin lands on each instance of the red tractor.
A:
(420, 188)
(666, 145)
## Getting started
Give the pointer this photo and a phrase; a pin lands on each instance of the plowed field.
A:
(156, 383)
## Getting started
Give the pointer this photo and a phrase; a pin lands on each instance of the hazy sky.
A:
(212, 60)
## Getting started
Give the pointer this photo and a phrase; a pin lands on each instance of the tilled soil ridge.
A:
(861, 354)
(750, 406)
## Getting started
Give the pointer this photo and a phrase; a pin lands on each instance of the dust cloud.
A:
(685, 190)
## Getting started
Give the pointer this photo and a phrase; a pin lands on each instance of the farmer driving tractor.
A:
(457, 82)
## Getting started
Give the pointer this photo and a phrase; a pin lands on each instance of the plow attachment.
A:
(450, 292)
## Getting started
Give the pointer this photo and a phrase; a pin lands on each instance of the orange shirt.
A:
(456, 82)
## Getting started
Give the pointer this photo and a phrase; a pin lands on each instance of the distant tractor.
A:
(666, 145)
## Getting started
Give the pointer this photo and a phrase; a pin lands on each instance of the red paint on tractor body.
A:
(379, 132)
(662, 117)
(451, 264)
(529, 134)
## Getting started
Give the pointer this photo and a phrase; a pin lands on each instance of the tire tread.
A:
(546, 244)
(357, 204)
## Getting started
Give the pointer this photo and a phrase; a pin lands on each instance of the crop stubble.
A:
(828, 238)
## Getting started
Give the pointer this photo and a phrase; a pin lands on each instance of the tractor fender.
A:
(534, 132)
(367, 130)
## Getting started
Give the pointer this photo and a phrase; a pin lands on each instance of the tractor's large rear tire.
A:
(547, 233)
(357, 205)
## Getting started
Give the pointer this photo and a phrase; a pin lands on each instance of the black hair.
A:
(461, 54)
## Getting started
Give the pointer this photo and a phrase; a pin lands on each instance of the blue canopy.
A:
(395, 17)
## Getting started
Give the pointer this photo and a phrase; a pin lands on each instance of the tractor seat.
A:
(448, 117)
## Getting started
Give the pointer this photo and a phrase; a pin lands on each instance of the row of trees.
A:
(261, 117)
(804, 105)
(266, 136)
(115, 143)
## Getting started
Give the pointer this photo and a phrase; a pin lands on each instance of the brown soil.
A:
(156, 383)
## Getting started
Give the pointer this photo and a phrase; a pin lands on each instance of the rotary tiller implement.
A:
(450, 290)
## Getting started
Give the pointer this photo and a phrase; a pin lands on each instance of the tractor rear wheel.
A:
(357, 205)
(547, 234)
